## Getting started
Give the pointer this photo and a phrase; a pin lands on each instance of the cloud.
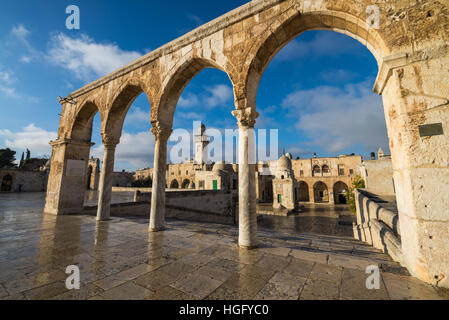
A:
(34, 138)
(85, 58)
(138, 118)
(189, 100)
(198, 21)
(323, 44)
(211, 97)
(20, 32)
(6, 80)
(218, 95)
(136, 150)
(340, 118)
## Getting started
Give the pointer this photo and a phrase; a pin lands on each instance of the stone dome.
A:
(221, 166)
(284, 163)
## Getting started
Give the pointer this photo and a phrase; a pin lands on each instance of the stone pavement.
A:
(119, 259)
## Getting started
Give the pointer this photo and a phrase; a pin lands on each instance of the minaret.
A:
(380, 153)
(201, 142)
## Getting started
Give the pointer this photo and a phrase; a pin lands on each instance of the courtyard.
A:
(119, 259)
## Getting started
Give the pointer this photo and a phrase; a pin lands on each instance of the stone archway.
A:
(7, 183)
(303, 191)
(340, 189)
(174, 184)
(320, 192)
(412, 79)
(185, 184)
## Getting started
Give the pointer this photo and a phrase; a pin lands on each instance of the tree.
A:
(7, 158)
(357, 183)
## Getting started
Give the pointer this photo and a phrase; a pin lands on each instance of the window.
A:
(341, 170)
(282, 177)
(187, 171)
(279, 198)
(201, 184)
(351, 171)
(326, 169)
(301, 173)
(316, 170)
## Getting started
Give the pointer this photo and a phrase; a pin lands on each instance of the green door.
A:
(215, 184)
(279, 198)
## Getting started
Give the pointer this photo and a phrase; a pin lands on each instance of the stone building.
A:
(285, 186)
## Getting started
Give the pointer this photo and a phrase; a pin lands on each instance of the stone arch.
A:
(124, 97)
(174, 184)
(340, 189)
(288, 26)
(7, 181)
(303, 191)
(81, 129)
(320, 192)
(185, 184)
(176, 81)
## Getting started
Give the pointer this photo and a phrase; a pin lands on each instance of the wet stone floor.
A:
(119, 259)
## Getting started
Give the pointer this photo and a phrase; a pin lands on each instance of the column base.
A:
(244, 247)
(157, 229)
(104, 219)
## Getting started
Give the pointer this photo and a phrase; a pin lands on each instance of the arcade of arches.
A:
(410, 46)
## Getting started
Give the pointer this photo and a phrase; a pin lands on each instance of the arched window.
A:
(326, 170)
(316, 171)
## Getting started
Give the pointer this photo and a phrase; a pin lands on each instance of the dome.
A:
(221, 166)
(284, 163)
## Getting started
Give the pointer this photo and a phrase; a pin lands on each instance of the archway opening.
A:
(7, 183)
(340, 189)
(321, 192)
(185, 184)
(303, 192)
(174, 184)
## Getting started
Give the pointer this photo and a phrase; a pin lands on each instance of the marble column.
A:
(247, 179)
(107, 172)
(157, 215)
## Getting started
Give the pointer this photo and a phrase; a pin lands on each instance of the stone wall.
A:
(377, 225)
(31, 181)
(378, 175)
(204, 206)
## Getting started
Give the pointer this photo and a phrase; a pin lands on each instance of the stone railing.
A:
(377, 225)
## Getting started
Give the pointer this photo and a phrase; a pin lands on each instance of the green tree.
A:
(7, 158)
(357, 183)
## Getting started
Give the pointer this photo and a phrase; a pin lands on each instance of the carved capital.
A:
(161, 132)
(246, 117)
(110, 141)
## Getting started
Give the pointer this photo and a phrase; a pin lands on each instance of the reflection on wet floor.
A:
(319, 219)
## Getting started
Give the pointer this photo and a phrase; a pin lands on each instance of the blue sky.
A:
(316, 91)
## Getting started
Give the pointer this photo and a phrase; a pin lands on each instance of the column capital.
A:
(246, 117)
(110, 141)
(160, 131)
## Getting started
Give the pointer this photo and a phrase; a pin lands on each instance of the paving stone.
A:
(407, 288)
(315, 256)
(316, 289)
(282, 286)
(353, 286)
(127, 291)
(196, 284)
(326, 272)
(299, 267)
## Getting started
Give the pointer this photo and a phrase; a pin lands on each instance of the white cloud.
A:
(85, 58)
(189, 100)
(6, 79)
(324, 44)
(136, 150)
(34, 138)
(137, 117)
(218, 95)
(20, 32)
(198, 21)
(337, 119)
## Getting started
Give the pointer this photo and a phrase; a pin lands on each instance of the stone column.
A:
(107, 172)
(247, 179)
(311, 192)
(67, 178)
(415, 92)
(157, 215)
